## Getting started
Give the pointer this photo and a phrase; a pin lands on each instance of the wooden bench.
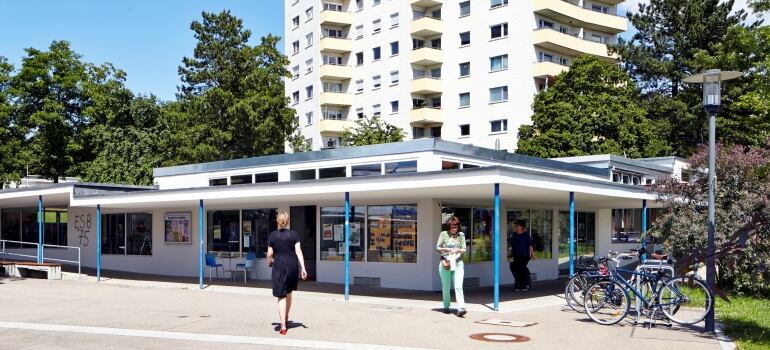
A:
(30, 269)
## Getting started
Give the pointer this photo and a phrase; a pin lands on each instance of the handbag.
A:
(445, 262)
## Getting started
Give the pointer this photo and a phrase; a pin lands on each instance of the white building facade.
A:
(465, 71)
(400, 196)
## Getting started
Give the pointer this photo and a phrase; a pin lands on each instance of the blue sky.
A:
(147, 39)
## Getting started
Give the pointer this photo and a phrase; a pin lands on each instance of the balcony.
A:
(569, 45)
(330, 71)
(334, 126)
(427, 26)
(426, 115)
(548, 69)
(427, 86)
(426, 3)
(426, 56)
(336, 45)
(336, 99)
(336, 18)
(566, 12)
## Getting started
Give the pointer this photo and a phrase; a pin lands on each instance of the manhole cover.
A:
(500, 337)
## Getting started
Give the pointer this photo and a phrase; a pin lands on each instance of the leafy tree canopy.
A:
(371, 131)
(591, 109)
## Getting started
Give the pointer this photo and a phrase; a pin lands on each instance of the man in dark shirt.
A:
(521, 253)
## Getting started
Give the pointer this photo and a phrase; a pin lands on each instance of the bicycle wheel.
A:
(575, 290)
(606, 302)
(685, 299)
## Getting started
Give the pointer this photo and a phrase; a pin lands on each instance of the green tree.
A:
(49, 93)
(371, 131)
(760, 5)
(11, 133)
(744, 118)
(591, 109)
(670, 33)
(232, 93)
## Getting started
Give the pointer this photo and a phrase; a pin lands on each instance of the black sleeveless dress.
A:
(285, 275)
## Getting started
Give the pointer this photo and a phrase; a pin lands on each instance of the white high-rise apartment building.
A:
(465, 71)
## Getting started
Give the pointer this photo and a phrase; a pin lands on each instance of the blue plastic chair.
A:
(211, 262)
(247, 266)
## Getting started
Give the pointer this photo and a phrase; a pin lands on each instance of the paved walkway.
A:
(129, 314)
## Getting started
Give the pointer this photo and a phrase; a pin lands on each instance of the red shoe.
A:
(283, 330)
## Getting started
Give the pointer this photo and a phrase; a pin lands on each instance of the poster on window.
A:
(339, 232)
(355, 234)
(327, 233)
(177, 228)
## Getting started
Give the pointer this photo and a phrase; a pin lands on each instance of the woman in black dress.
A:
(284, 255)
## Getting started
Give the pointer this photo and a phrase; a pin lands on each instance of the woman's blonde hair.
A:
(282, 219)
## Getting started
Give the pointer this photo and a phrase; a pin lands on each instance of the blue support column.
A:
(98, 243)
(200, 241)
(40, 229)
(644, 228)
(496, 249)
(347, 245)
(571, 234)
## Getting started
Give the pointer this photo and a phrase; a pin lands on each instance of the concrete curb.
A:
(725, 342)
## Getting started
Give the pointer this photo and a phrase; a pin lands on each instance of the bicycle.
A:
(588, 271)
(682, 299)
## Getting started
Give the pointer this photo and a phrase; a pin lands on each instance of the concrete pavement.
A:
(134, 314)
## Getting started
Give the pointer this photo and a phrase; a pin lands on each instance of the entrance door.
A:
(303, 221)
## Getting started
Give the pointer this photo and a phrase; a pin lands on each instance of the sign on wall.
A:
(177, 227)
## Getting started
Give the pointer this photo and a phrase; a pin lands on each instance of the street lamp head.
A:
(712, 81)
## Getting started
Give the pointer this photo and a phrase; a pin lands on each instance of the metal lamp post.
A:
(711, 80)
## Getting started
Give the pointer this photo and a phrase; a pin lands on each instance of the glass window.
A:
(114, 234)
(498, 94)
(465, 99)
(465, 130)
(55, 227)
(401, 167)
(359, 32)
(295, 21)
(469, 166)
(332, 245)
(376, 83)
(266, 177)
(376, 53)
(499, 125)
(499, 30)
(376, 110)
(497, 3)
(359, 58)
(10, 223)
(376, 26)
(139, 237)
(309, 118)
(309, 13)
(538, 224)
(585, 234)
(447, 165)
(256, 225)
(465, 38)
(224, 237)
(498, 63)
(295, 47)
(240, 179)
(394, 77)
(218, 182)
(297, 175)
(394, 48)
(366, 169)
(465, 69)
(627, 224)
(465, 8)
(476, 223)
(417, 132)
(394, 20)
(359, 5)
(309, 91)
(309, 39)
(393, 106)
(392, 233)
(325, 173)
(359, 85)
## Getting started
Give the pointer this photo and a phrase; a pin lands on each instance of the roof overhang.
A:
(471, 185)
